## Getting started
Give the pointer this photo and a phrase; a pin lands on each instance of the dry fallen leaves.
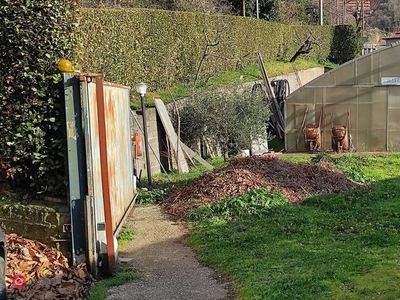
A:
(46, 270)
(295, 181)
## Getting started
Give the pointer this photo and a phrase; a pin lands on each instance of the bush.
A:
(346, 44)
(230, 118)
(35, 35)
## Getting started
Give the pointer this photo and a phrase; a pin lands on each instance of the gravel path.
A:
(170, 268)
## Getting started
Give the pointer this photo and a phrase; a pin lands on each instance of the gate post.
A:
(75, 166)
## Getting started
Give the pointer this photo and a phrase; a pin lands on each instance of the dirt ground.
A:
(170, 268)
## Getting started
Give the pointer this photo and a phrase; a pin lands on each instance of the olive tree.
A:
(230, 119)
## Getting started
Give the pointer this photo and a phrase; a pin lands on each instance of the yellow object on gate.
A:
(64, 65)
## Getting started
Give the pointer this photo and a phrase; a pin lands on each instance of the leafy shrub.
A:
(350, 165)
(152, 196)
(346, 44)
(35, 35)
(255, 202)
(230, 118)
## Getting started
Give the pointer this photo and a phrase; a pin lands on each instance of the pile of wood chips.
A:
(295, 181)
(46, 271)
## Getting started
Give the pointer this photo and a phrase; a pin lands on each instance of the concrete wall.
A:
(304, 75)
(158, 152)
(42, 221)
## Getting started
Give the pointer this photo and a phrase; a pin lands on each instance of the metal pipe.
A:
(146, 139)
(362, 17)
(257, 10)
(321, 12)
(152, 150)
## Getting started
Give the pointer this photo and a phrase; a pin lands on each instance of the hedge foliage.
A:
(165, 48)
(346, 44)
(34, 36)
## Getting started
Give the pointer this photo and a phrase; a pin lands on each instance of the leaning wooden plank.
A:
(197, 157)
(173, 138)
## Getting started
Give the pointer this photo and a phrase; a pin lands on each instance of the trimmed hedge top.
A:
(165, 48)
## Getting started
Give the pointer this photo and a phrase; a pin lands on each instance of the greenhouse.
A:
(358, 101)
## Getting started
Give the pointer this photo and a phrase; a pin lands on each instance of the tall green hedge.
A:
(164, 48)
(346, 44)
(35, 34)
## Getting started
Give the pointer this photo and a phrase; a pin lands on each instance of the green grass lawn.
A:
(343, 246)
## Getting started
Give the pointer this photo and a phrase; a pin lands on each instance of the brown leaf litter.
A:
(46, 271)
(295, 181)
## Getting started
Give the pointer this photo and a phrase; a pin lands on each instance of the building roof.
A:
(392, 37)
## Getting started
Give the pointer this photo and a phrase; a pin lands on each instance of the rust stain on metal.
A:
(111, 184)
(117, 117)
(71, 131)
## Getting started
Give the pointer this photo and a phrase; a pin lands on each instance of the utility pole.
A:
(344, 12)
(362, 17)
(321, 12)
(257, 10)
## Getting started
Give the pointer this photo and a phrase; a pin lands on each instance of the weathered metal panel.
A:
(76, 172)
(119, 149)
(101, 188)
(96, 239)
(95, 189)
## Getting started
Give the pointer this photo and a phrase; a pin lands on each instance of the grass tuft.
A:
(124, 275)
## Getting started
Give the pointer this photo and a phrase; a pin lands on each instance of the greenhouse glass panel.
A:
(344, 75)
(394, 97)
(363, 93)
(394, 119)
(364, 70)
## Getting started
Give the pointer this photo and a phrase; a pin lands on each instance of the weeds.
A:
(151, 196)
(125, 274)
(352, 166)
(255, 203)
(127, 234)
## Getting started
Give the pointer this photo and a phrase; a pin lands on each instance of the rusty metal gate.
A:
(101, 178)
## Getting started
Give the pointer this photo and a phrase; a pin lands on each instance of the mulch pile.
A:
(295, 181)
(38, 272)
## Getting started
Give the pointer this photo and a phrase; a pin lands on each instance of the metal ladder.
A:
(296, 72)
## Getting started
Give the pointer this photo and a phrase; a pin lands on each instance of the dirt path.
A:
(170, 268)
